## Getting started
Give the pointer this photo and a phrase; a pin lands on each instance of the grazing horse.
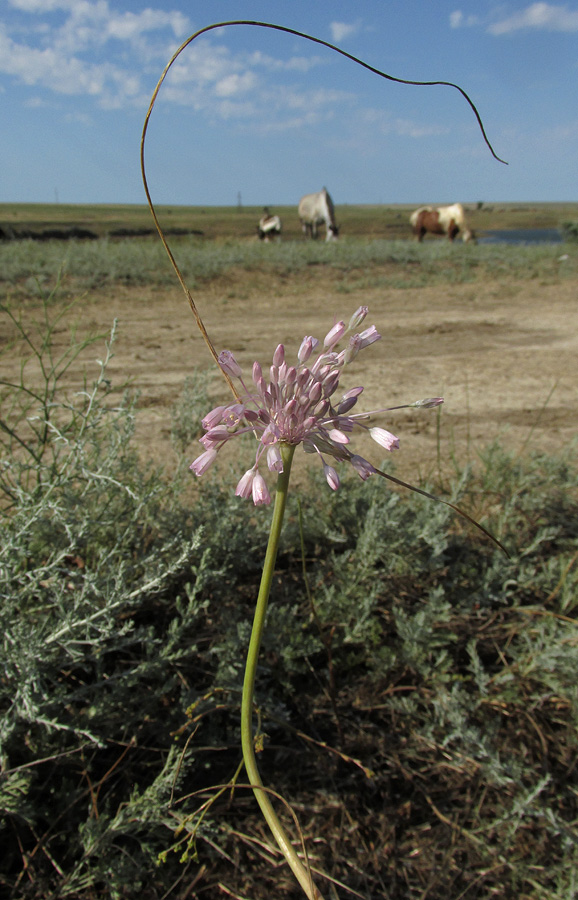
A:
(269, 226)
(448, 220)
(314, 209)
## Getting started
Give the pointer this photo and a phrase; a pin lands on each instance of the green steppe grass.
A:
(417, 690)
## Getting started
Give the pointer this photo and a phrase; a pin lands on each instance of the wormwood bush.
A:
(417, 687)
(570, 230)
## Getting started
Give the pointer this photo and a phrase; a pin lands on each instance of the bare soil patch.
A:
(504, 356)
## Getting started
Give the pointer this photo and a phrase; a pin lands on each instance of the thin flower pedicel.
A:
(295, 406)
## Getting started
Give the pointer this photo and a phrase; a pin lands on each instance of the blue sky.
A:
(267, 116)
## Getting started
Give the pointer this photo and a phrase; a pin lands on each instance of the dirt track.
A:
(504, 357)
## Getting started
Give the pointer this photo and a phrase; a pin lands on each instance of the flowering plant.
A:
(294, 406)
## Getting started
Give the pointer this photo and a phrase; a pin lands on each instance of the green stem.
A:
(301, 873)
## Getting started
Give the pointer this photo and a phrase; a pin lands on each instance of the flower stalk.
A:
(247, 740)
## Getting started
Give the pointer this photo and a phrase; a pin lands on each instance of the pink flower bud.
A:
(384, 438)
(315, 392)
(279, 355)
(334, 336)
(338, 436)
(229, 364)
(369, 336)
(257, 373)
(213, 418)
(358, 317)
(245, 487)
(202, 462)
(233, 415)
(274, 459)
(261, 496)
(429, 403)
(352, 349)
(308, 345)
(331, 477)
(269, 436)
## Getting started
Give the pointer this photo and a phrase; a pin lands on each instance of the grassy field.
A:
(232, 222)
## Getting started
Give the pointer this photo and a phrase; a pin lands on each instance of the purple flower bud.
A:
(215, 435)
(348, 401)
(229, 364)
(363, 468)
(279, 355)
(331, 382)
(202, 462)
(384, 438)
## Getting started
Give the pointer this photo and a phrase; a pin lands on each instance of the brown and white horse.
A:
(269, 226)
(316, 209)
(448, 220)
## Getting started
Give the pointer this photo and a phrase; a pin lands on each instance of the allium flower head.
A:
(296, 405)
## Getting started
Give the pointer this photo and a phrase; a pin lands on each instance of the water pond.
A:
(521, 236)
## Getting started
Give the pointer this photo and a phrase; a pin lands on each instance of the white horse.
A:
(269, 226)
(450, 220)
(316, 209)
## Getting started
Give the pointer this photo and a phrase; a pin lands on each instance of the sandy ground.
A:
(504, 356)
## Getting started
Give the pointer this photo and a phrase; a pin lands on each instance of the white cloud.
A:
(41, 5)
(235, 84)
(341, 30)
(459, 20)
(114, 58)
(72, 56)
(542, 16)
(381, 122)
(302, 64)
